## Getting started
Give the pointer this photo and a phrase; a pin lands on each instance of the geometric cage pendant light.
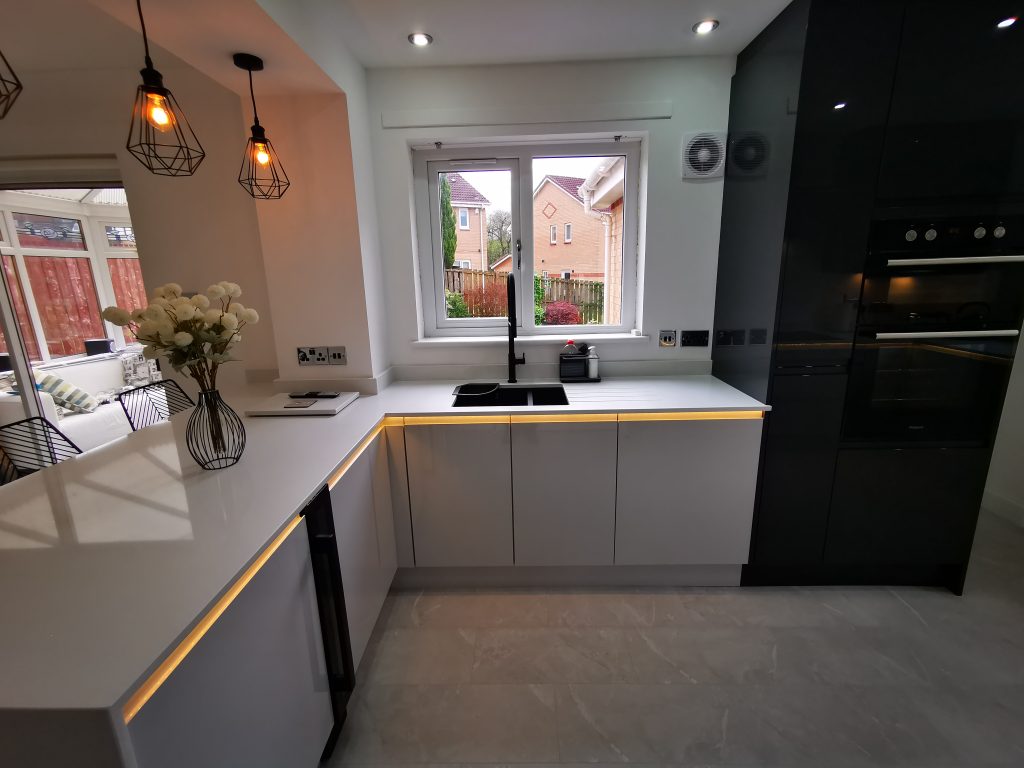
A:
(160, 136)
(10, 86)
(261, 174)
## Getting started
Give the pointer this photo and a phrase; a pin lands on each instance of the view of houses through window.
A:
(577, 243)
(67, 253)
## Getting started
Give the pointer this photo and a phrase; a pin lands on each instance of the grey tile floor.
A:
(783, 678)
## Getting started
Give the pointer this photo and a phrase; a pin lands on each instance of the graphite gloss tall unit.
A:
(845, 113)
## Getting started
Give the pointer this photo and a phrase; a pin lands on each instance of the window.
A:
(463, 218)
(64, 265)
(518, 191)
(464, 264)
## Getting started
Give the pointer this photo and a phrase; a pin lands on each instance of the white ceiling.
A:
(512, 31)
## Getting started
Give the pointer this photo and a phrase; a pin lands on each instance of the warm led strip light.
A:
(411, 421)
(145, 691)
(692, 416)
(562, 418)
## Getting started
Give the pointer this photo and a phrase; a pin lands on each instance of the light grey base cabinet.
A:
(460, 492)
(563, 492)
(365, 528)
(686, 491)
(253, 691)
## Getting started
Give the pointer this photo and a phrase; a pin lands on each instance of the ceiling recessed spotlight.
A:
(1007, 22)
(840, 105)
(705, 27)
(420, 39)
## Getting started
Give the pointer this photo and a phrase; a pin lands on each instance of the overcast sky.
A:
(496, 186)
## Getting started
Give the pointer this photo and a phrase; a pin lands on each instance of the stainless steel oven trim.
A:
(953, 260)
(948, 335)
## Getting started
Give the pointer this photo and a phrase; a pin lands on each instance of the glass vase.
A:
(215, 435)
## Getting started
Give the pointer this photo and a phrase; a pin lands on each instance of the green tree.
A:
(499, 235)
(449, 238)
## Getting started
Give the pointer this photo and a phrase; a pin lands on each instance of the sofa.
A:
(96, 375)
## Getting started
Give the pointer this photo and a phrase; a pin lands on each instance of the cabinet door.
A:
(799, 463)
(563, 481)
(253, 691)
(905, 507)
(686, 491)
(460, 491)
(363, 522)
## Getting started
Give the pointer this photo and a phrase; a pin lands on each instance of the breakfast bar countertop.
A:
(107, 560)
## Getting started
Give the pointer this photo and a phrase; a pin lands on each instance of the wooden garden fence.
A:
(585, 295)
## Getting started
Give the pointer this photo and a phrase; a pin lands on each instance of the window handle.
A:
(519, 254)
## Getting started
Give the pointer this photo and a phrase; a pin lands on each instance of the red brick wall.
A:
(469, 240)
(584, 256)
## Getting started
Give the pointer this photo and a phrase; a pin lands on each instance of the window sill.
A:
(485, 341)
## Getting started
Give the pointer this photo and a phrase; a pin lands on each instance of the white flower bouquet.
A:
(196, 334)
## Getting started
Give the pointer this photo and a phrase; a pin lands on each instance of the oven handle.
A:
(953, 260)
(947, 335)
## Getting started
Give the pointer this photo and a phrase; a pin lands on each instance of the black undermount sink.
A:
(503, 395)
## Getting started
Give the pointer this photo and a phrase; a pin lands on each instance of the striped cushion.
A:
(66, 394)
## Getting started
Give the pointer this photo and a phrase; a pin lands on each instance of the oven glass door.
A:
(941, 389)
(900, 296)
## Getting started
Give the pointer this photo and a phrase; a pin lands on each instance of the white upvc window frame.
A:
(567, 232)
(463, 211)
(96, 251)
(553, 234)
(517, 158)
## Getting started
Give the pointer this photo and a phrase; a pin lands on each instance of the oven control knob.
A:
(930, 235)
(999, 232)
(979, 233)
(911, 235)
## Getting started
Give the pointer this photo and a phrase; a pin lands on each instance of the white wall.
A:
(1004, 491)
(679, 237)
(310, 24)
(194, 230)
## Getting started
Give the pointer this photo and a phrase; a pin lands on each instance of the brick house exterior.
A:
(470, 211)
(557, 204)
(596, 237)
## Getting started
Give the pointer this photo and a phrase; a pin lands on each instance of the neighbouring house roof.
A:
(464, 192)
(501, 261)
(568, 184)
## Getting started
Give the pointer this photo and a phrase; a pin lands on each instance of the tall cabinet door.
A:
(364, 525)
(799, 462)
(564, 493)
(686, 491)
(460, 492)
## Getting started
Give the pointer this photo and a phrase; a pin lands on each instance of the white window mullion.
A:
(30, 305)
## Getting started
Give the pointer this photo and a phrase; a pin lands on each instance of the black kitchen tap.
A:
(513, 361)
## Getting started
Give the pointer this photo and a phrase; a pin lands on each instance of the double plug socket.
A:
(321, 355)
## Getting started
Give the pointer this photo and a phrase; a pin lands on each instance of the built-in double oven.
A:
(940, 314)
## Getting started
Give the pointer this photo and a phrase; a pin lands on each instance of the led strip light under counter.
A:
(166, 668)
(693, 416)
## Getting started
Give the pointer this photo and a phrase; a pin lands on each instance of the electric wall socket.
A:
(312, 355)
(666, 338)
(337, 356)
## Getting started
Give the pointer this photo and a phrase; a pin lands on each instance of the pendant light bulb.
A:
(262, 153)
(261, 174)
(159, 113)
(159, 136)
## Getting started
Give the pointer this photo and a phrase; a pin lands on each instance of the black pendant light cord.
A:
(145, 38)
(252, 95)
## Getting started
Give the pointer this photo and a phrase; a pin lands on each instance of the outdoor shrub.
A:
(561, 313)
(456, 304)
(489, 301)
(538, 300)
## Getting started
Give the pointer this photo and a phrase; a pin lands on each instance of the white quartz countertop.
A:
(107, 560)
